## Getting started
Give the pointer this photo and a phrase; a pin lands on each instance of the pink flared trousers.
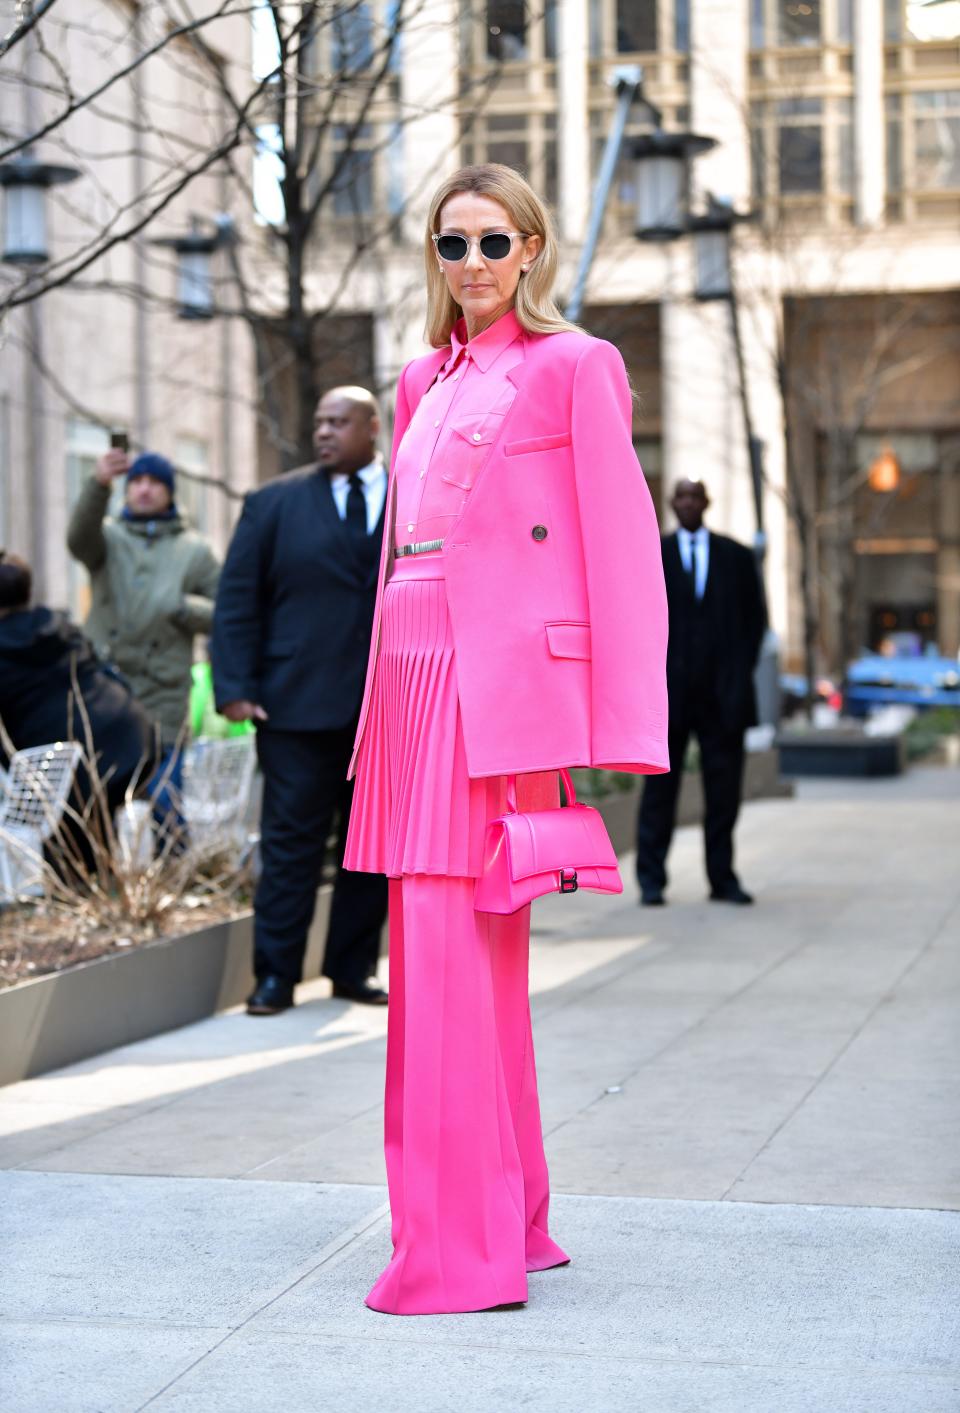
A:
(465, 1164)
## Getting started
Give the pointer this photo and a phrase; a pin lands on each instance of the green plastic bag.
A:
(205, 720)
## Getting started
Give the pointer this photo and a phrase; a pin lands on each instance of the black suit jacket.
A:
(291, 628)
(733, 624)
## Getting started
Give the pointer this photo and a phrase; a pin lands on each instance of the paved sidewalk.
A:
(751, 1120)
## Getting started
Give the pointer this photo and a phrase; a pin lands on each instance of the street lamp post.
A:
(715, 279)
(25, 215)
(662, 194)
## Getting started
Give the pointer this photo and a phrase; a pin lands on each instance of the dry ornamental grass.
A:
(114, 883)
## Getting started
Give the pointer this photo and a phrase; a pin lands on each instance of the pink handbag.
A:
(544, 851)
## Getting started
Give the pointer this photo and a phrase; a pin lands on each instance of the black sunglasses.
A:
(495, 245)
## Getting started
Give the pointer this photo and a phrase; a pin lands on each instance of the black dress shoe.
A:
(652, 898)
(731, 893)
(269, 997)
(366, 993)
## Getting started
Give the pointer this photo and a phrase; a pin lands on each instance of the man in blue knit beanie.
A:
(153, 581)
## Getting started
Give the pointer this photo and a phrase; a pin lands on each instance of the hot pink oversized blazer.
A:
(560, 637)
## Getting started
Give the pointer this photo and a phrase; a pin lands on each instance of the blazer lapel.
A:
(423, 375)
(673, 563)
(373, 572)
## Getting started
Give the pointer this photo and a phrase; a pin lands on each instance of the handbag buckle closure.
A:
(568, 880)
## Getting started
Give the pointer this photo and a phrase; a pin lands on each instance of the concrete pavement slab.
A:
(189, 1295)
(162, 1250)
(739, 1282)
(256, 1372)
(52, 1367)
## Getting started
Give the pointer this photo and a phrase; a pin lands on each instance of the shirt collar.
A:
(694, 537)
(484, 348)
(368, 474)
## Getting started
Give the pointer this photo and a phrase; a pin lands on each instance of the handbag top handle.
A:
(569, 791)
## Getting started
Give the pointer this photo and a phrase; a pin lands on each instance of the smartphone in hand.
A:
(120, 441)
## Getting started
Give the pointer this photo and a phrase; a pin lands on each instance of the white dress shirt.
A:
(374, 479)
(695, 543)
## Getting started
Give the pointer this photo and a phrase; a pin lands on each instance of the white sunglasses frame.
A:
(475, 240)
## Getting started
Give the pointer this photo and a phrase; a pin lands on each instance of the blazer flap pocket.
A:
(479, 429)
(569, 639)
(545, 443)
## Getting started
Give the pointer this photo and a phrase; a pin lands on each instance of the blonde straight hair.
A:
(534, 306)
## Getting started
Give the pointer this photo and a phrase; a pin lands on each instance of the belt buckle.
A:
(568, 880)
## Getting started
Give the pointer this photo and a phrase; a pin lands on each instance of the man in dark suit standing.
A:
(717, 622)
(290, 640)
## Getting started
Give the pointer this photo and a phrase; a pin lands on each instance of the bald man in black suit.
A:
(291, 635)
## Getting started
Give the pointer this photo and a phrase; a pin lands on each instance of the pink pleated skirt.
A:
(415, 808)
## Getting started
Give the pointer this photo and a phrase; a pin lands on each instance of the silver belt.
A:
(424, 547)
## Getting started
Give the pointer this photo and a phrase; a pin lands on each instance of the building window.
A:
(894, 106)
(936, 140)
(351, 38)
(506, 30)
(681, 26)
(193, 494)
(893, 21)
(800, 145)
(798, 22)
(844, 33)
(802, 158)
(758, 154)
(527, 142)
(511, 34)
(923, 153)
(789, 24)
(841, 131)
(353, 185)
(636, 26)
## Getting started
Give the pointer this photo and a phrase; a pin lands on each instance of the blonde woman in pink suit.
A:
(520, 626)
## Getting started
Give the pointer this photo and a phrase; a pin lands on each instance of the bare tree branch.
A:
(20, 31)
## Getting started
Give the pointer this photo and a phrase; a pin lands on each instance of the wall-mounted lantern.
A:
(194, 276)
(25, 181)
(663, 181)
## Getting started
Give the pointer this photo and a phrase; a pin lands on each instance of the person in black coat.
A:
(44, 661)
(717, 622)
(291, 634)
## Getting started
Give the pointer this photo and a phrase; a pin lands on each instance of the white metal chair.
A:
(34, 798)
(217, 780)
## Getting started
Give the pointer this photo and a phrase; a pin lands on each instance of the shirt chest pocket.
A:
(468, 446)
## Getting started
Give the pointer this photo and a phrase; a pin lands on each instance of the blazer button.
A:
(539, 532)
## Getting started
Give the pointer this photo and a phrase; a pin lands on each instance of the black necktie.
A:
(692, 570)
(356, 507)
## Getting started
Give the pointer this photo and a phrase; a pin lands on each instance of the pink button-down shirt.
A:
(449, 436)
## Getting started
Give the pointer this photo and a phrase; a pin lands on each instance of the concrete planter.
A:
(69, 1015)
(840, 753)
